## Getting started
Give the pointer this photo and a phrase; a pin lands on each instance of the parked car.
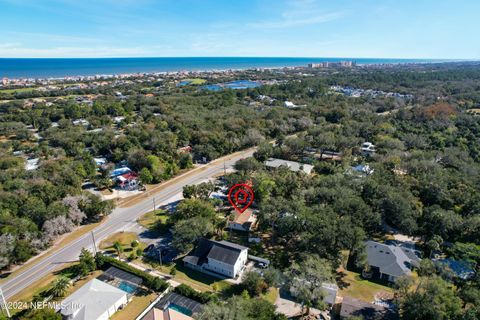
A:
(148, 248)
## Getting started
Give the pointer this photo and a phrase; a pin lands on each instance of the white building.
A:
(245, 221)
(32, 164)
(219, 257)
(96, 300)
(367, 149)
(289, 104)
(291, 165)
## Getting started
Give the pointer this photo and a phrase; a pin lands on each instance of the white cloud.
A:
(53, 37)
(299, 13)
(299, 21)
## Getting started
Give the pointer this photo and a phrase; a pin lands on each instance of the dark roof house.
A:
(222, 257)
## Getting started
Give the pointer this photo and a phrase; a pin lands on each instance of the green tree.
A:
(42, 314)
(248, 165)
(86, 262)
(145, 176)
(433, 299)
(240, 308)
(305, 279)
(22, 251)
(200, 191)
(60, 286)
(253, 282)
(187, 232)
(190, 208)
(273, 277)
(185, 161)
(118, 248)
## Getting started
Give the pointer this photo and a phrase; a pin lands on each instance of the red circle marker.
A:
(240, 197)
(243, 198)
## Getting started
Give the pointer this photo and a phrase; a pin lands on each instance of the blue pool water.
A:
(127, 287)
(180, 309)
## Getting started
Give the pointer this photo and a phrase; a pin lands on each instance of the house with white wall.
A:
(95, 300)
(243, 221)
(218, 258)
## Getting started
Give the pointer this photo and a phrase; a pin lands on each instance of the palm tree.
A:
(60, 287)
(118, 247)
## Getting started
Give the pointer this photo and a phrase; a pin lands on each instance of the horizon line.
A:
(247, 57)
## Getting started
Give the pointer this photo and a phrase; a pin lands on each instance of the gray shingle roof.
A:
(390, 259)
(223, 251)
(223, 254)
(292, 165)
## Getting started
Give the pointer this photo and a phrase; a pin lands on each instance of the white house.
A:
(291, 165)
(219, 257)
(96, 300)
(290, 105)
(245, 221)
(367, 149)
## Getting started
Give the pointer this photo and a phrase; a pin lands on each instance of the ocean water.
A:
(51, 68)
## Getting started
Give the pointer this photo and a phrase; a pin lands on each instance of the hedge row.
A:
(154, 283)
(189, 292)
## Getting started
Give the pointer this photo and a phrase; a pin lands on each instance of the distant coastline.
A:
(15, 68)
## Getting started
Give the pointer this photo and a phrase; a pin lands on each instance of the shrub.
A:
(149, 281)
(202, 297)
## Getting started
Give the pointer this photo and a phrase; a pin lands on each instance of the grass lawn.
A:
(271, 295)
(133, 309)
(156, 221)
(351, 284)
(149, 218)
(197, 81)
(197, 280)
(17, 90)
(125, 238)
(43, 285)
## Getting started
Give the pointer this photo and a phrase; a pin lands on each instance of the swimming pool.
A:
(127, 287)
(180, 309)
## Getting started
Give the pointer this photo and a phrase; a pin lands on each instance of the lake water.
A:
(235, 85)
(50, 68)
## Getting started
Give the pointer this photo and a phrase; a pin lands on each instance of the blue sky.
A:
(284, 28)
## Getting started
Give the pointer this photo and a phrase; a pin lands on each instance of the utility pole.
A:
(224, 167)
(160, 256)
(94, 244)
(4, 303)
(154, 205)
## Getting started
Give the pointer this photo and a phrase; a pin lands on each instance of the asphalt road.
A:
(120, 219)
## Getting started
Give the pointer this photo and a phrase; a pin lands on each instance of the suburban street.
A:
(120, 219)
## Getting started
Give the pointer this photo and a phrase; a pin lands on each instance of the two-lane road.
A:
(119, 219)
